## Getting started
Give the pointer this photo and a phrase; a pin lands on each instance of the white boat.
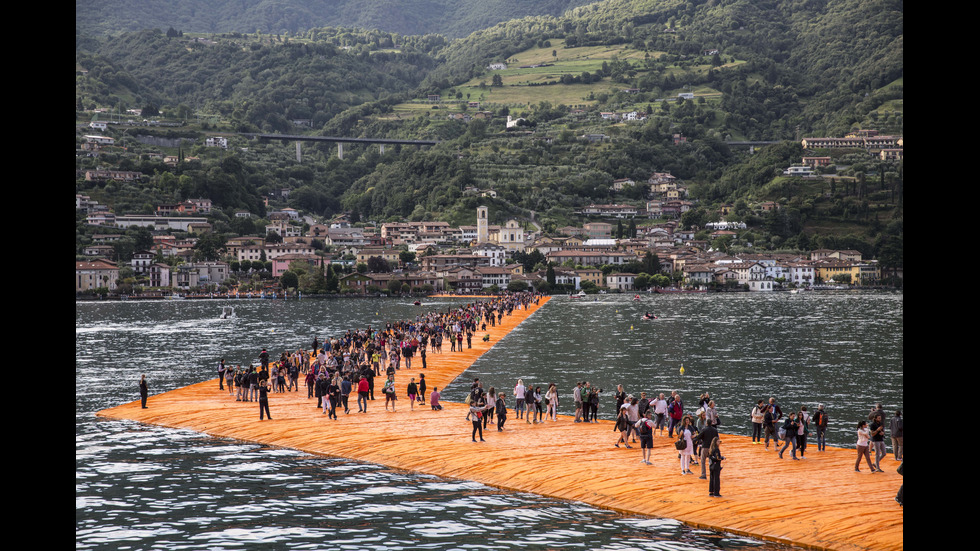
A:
(580, 294)
(227, 312)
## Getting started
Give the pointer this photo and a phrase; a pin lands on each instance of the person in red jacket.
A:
(363, 387)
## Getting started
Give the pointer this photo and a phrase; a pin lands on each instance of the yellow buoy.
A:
(682, 369)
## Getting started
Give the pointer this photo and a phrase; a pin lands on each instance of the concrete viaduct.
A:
(382, 142)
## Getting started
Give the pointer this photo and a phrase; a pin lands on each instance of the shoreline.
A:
(828, 506)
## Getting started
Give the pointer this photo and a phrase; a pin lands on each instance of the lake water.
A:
(147, 487)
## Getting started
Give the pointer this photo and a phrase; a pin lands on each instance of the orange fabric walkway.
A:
(819, 502)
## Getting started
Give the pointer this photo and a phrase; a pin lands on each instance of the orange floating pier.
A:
(819, 502)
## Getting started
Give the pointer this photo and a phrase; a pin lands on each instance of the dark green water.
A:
(143, 487)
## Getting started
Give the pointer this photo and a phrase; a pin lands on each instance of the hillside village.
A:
(602, 255)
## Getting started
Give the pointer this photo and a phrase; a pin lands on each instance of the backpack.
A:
(645, 429)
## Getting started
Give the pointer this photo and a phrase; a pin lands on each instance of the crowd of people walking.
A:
(350, 363)
(335, 368)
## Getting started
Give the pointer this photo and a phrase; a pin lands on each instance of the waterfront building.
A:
(92, 274)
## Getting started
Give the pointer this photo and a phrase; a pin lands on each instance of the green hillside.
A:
(453, 18)
(783, 70)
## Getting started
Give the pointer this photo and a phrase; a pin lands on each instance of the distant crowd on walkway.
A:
(334, 369)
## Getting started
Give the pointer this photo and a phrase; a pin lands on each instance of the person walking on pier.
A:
(413, 391)
(389, 392)
(803, 431)
(552, 399)
(491, 407)
(623, 426)
(519, 392)
(685, 431)
(757, 418)
(707, 435)
(897, 431)
(345, 388)
(676, 410)
(333, 396)
(877, 429)
(144, 391)
(264, 401)
(501, 411)
(532, 399)
(790, 429)
(422, 385)
(659, 406)
(769, 426)
(221, 374)
(820, 423)
(253, 385)
(362, 394)
(230, 379)
(476, 411)
(320, 389)
(714, 455)
(645, 427)
(593, 403)
(863, 440)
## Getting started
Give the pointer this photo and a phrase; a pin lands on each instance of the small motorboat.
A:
(580, 294)
(417, 303)
(227, 312)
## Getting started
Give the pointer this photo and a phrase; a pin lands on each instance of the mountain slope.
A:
(451, 18)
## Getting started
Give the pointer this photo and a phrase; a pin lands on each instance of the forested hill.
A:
(826, 56)
(451, 18)
(749, 70)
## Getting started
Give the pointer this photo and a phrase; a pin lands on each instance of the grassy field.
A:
(523, 86)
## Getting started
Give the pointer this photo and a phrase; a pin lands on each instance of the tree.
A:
(333, 283)
(394, 286)
(550, 276)
(406, 256)
(641, 282)
(289, 280)
(651, 263)
(497, 81)
(517, 286)
(208, 246)
(376, 264)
